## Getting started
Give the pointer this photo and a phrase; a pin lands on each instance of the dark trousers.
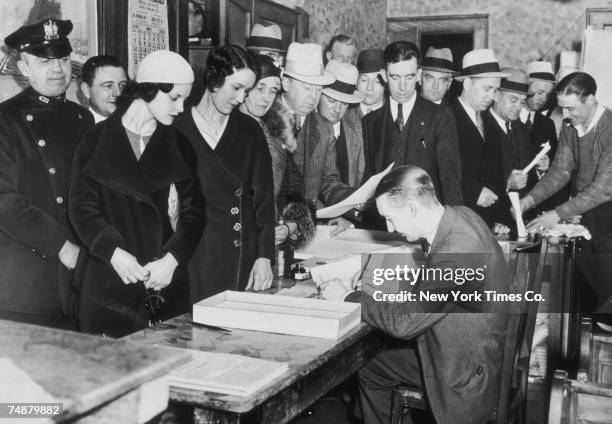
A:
(388, 369)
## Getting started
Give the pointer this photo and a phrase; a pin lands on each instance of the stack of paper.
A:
(226, 373)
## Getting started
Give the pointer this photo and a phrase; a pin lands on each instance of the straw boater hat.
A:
(480, 63)
(439, 60)
(370, 61)
(344, 89)
(517, 81)
(540, 70)
(268, 38)
(305, 63)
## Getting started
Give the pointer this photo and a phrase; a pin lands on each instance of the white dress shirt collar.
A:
(468, 109)
(96, 115)
(598, 112)
(406, 107)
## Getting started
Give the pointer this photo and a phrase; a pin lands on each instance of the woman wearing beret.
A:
(136, 206)
(235, 173)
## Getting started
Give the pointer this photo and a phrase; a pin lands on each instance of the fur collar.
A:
(277, 123)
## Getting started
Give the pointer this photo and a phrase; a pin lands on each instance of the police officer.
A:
(39, 131)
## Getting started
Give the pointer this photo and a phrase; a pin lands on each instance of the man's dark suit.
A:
(428, 140)
(480, 164)
(459, 354)
(516, 154)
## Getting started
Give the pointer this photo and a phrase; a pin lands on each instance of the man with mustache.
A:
(410, 130)
(39, 131)
(481, 159)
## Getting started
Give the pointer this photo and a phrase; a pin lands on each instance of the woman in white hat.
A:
(235, 174)
(288, 182)
(135, 205)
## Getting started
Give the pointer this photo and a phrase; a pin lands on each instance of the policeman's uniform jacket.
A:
(38, 136)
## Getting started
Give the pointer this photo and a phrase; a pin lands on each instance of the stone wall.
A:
(364, 20)
(519, 30)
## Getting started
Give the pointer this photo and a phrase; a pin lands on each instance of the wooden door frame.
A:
(477, 24)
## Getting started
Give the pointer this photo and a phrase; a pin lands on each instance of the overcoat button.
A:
(42, 143)
(52, 171)
(238, 192)
(234, 211)
(59, 200)
(29, 118)
(237, 243)
(237, 226)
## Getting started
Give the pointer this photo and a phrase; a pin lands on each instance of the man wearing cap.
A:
(482, 183)
(437, 72)
(541, 127)
(584, 158)
(39, 131)
(102, 81)
(371, 84)
(268, 41)
(346, 129)
(315, 156)
(411, 130)
(341, 48)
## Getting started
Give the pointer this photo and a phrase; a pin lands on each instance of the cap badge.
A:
(50, 28)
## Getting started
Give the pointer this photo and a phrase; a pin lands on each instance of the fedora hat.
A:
(370, 61)
(516, 82)
(266, 38)
(480, 63)
(344, 89)
(305, 63)
(439, 60)
(540, 70)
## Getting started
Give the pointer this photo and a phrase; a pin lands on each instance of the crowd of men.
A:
(353, 113)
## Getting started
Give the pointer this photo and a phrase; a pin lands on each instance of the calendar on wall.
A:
(148, 30)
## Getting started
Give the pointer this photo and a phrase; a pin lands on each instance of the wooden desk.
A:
(315, 367)
(98, 380)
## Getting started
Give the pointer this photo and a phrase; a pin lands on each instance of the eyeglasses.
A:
(154, 302)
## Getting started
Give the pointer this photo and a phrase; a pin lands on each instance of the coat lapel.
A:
(114, 164)
(353, 134)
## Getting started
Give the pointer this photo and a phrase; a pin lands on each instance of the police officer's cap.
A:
(47, 38)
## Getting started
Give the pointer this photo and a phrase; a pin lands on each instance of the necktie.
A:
(295, 122)
(529, 122)
(399, 121)
(424, 245)
(512, 141)
(480, 125)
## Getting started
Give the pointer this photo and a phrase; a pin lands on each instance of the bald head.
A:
(406, 198)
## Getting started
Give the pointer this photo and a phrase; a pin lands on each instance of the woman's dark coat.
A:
(236, 180)
(118, 201)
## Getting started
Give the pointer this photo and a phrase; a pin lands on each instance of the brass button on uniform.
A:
(42, 143)
(59, 200)
(234, 210)
(238, 192)
(237, 226)
(52, 171)
(29, 118)
(237, 243)
(80, 116)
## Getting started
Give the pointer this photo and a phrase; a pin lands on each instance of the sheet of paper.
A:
(299, 290)
(518, 214)
(540, 155)
(325, 246)
(360, 196)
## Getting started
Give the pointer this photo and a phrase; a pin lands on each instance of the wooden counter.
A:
(98, 380)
